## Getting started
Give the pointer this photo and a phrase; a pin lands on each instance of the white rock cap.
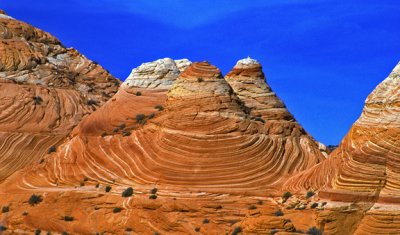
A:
(246, 62)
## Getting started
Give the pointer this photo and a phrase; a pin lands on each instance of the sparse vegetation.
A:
(116, 129)
(5, 209)
(129, 229)
(82, 184)
(138, 93)
(38, 232)
(51, 149)
(126, 133)
(140, 117)
(259, 119)
(260, 202)
(37, 100)
(122, 126)
(206, 221)
(127, 192)
(25, 213)
(313, 205)
(153, 190)
(117, 209)
(273, 231)
(64, 233)
(68, 218)
(200, 79)
(309, 194)
(85, 178)
(41, 161)
(197, 229)
(252, 207)
(153, 196)
(236, 230)
(108, 188)
(97, 185)
(3, 228)
(103, 134)
(159, 107)
(156, 233)
(314, 231)
(286, 196)
(35, 199)
(151, 116)
(91, 102)
(278, 213)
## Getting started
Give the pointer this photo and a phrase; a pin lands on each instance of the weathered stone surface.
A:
(45, 90)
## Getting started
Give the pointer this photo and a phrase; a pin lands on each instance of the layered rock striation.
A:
(45, 90)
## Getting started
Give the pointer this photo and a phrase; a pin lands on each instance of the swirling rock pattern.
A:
(195, 140)
(45, 90)
(365, 167)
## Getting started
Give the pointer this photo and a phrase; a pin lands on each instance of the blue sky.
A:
(321, 57)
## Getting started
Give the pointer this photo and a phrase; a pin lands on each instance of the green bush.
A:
(153, 196)
(127, 192)
(206, 221)
(310, 194)
(153, 190)
(138, 93)
(117, 209)
(5, 209)
(35, 199)
(140, 117)
(108, 188)
(236, 230)
(159, 107)
(68, 218)
(314, 231)
(313, 205)
(278, 213)
(286, 196)
(37, 100)
(51, 149)
(38, 232)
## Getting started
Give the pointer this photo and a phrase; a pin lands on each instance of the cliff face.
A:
(45, 90)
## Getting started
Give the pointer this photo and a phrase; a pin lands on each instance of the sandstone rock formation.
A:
(195, 141)
(363, 170)
(45, 90)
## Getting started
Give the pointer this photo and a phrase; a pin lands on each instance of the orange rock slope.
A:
(45, 90)
(364, 169)
(199, 144)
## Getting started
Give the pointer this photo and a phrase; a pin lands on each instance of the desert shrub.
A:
(159, 107)
(252, 207)
(156, 233)
(286, 196)
(35, 199)
(324, 203)
(117, 210)
(108, 188)
(314, 231)
(85, 178)
(91, 102)
(116, 129)
(153, 190)
(278, 213)
(138, 93)
(140, 117)
(200, 79)
(25, 213)
(51, 149)
(206, 221)
(122, 126)
(3, 228)
(259, 119)
(153, 196)
(260, 202)
(197, 229)
(37, 99)
(151, 116)
(97, 185)
(48, 233)
(68, 218)
(127, 192)
(313, 205)
(5, 209)
(126, 133)
(128, 229)
(82, 184)
(273, 231)
(309, 194)
(38, 232)
(103, 134)
(236, 230)
(64, 233)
